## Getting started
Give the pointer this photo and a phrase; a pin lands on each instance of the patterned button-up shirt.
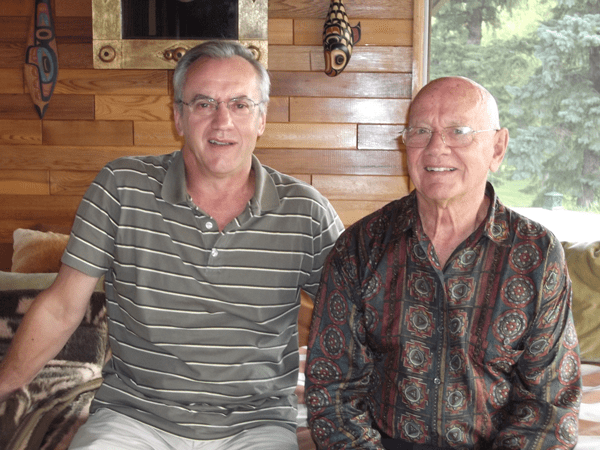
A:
(479, 354)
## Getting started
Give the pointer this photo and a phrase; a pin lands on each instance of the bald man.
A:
(443, 320)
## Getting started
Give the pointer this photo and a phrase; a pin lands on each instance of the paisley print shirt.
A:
(479, 354)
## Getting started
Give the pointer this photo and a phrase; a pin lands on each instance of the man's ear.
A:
(177, 113)
(262, 123)
(500, 145)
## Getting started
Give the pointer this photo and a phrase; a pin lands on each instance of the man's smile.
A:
(215, 142)
(440, 169)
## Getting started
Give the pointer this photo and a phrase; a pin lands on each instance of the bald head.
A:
(445, 169)
(460, 91)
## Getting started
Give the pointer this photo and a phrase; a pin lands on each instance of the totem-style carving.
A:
(338, 38)
(41, 57)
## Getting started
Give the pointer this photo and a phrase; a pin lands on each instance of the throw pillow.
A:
(583, 261)
(37, 251)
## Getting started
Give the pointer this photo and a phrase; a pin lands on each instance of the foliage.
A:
(546, 80)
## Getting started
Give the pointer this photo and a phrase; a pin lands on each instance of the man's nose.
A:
(437, 141)
(222, 115)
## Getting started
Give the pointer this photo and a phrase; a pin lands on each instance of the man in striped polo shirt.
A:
(204, 253)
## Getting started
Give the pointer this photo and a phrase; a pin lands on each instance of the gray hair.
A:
(219, 50)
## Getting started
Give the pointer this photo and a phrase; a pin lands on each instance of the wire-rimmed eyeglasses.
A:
(206, 106)
(452, 136)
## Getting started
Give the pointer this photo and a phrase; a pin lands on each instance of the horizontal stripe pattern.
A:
(203, 324)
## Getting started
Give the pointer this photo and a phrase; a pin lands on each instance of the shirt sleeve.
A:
(339, 362)
(546, 387)
(328, 228)
(91, 244)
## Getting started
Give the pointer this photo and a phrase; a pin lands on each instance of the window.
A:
(541, 60)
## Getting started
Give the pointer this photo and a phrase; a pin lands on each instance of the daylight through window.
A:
(541, 60)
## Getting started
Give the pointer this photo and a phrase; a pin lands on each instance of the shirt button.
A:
(437, 381)
(209, 225)
(214, 252)
(506, 341)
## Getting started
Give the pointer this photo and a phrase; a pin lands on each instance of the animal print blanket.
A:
(46, 414)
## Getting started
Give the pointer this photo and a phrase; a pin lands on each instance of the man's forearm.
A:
(43, 332)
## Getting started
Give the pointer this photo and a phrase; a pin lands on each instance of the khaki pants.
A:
(106, 429)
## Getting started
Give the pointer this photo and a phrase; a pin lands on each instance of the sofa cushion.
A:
(583, 261)
(37, 251)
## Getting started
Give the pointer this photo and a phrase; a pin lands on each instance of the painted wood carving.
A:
(338, 38)
(41, 57)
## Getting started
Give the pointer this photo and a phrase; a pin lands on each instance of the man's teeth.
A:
(439, 169)
(212, 141)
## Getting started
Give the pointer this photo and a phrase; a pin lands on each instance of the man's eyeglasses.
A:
(206, 106)
(452, 136)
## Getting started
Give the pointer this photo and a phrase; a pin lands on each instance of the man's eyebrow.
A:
(201, 97)
(206, 97)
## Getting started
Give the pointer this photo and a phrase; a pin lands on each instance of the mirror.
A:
(154, 34)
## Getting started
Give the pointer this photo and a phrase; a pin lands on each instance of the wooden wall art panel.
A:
(340, 134)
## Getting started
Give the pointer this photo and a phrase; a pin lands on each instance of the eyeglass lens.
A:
(208, 106)
(452, 136)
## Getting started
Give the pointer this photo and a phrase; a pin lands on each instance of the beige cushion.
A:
(37, 251)
(583, 261)
(10, 281)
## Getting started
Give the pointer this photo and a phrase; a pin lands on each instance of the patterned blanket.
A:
(47, 413)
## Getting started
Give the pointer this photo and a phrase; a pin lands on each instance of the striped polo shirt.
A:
(202, 323)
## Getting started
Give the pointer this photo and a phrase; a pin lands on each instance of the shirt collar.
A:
(495, 226)
(266, 197)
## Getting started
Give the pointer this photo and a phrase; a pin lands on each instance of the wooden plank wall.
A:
(339, 134)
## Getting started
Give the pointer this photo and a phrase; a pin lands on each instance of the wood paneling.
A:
(348, 110)
(281, 31)
(20, 132)
(352, 210)
(77, 158)
(376, 188)
(17, 8)
(161, 134)
(39, 208)
(134, 107)
(14, 28)
(68, 182)
(105, 82)
(12, 82)
(303, 135)
(347, 84)
(373, 32)
(75, 56)
(73, 8)
(338, 162)
(369, 59)
(36, 209)
(88, 133)
(339, 134)
(374, 9)
(279, 109)
(12, 54)
(73, 29)
(304, 58)
(63, 107)
(290, 58)
(380, 137)
(24, 182)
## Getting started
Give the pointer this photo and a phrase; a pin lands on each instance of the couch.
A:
(46, 414)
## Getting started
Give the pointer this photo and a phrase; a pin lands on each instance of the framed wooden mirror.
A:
(154, 34)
